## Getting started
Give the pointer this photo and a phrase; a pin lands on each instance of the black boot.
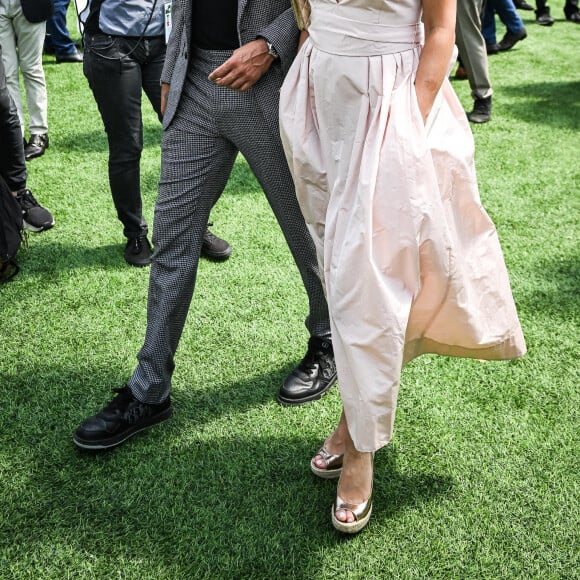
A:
(571, 11)
(213, 247)
(312, 378)
(543, 17)
(481, 111)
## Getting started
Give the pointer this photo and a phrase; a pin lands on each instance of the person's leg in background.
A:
(115, 80)
(571, 11)
(12, 164)
(58, 40)
(472, 50)
(516, 30)
(488, 27)
(29, 41)
(543, 16)
(8, 12)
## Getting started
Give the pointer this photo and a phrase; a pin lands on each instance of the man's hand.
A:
(164, 94)
(246, 65)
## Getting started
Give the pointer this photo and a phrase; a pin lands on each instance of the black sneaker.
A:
(122, 418)
(138, 251)
(214, 248)
(481, 111)
(36, 218)
(312, 378)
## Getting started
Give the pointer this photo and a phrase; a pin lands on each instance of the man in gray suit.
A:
(225, 64)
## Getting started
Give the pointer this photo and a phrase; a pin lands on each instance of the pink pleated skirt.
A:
(412, 262)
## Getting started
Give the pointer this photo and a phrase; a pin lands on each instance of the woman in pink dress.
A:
(382, 157)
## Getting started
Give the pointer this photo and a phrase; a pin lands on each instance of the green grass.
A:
(481, 479)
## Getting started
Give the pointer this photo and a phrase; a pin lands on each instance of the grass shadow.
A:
(556, 293)
(182, 502)
(553, 103)
(96, 141)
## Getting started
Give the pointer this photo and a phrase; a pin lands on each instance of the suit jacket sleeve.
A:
(175, 45)
(283, 34)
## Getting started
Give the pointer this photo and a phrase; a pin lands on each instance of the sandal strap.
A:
(358, 510)
(332, 461)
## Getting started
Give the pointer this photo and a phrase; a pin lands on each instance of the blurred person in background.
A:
(19, 206)
(515, 29)
(58, 40)
(124, 54)
(22, 32)
(544, 18)
(473, 58)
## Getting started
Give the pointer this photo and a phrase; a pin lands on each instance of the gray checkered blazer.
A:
(271, 19)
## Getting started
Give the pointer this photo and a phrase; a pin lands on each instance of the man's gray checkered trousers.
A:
(204, 128)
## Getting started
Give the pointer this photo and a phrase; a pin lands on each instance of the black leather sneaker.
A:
(122, 418)
(313, 377)
(543, 17)
(36, 146)
(138, 251)
(481, 111)
(214, 248)
(510, 39)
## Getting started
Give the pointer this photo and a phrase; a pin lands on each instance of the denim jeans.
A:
(58, 35)
(118, 70)
(507, 14)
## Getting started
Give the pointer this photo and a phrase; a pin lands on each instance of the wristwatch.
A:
(271, 50)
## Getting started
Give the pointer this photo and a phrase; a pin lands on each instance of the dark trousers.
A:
(12, 164)
(119, 69)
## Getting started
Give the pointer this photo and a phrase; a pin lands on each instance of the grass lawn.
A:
(482, 477)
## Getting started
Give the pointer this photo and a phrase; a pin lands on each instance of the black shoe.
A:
(312, 378)
(481, 111)
(36, 146)
(75, 56)
(510, 39)
(36, 218)
(138, 251)
(122, 418)
(523, 5)
(492, 48)
(8, 270)
(543, 17)
(572, 16)
(214, 248)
